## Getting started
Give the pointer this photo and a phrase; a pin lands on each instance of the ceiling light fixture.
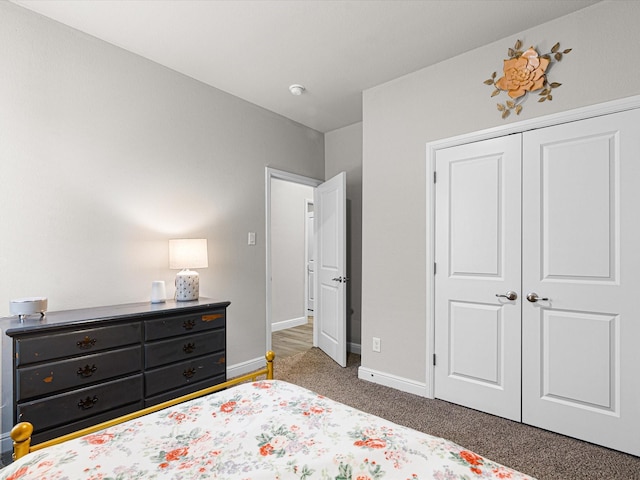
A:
(296, 89)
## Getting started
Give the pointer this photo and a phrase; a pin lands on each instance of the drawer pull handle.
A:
(87, 371)
(189, 324)
(86, 343)
(189, 373)
(88, 403)
(189, 347)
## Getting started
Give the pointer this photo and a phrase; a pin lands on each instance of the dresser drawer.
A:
(86, 402)
(75, 342)
(182, 324)
(190, 388)
(181, 374)
(40, 436)
(183, 348)
(48, 378)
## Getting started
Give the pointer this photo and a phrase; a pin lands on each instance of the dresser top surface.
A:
(33, 323)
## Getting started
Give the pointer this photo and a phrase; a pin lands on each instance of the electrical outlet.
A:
(376, 344)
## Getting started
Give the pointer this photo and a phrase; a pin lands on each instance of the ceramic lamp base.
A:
(187, 286)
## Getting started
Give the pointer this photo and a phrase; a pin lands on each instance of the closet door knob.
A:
(510, 295)
(533, 297)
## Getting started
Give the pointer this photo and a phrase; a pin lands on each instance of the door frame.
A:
(431, 150)
(308, 238)
(271, 174)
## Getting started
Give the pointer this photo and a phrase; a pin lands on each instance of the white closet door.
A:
(581, 256)
(477, 334)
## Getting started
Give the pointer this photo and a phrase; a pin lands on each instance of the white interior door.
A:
(581, 256)
(330, 325)
(478, 332)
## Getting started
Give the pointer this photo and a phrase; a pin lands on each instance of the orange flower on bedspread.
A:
(471, 458)
(179, 417)
(228, 407)
(19, 473)
(99, 438)
(176, 454)
(266, 450)
(371, 443)
(502, 472)
(263, 385)
(525, 72)
(314, 409)
(276, 440)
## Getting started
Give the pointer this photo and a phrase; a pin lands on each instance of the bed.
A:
(262, 429)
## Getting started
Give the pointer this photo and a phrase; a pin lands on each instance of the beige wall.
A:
(450, 99)
(104, 156)
(343, 153)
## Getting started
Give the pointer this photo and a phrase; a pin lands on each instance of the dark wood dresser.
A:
(76, 368)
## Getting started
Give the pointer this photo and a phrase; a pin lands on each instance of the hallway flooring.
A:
(292, 341)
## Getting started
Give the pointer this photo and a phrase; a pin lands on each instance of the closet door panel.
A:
(579, 208)
(477, 333)
(475, 210)
(581, 366)
(561, 367)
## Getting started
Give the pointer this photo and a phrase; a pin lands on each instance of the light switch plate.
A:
(252, 238)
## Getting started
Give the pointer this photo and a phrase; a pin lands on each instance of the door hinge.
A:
(434, 268)
(434, 359)
(434, 177)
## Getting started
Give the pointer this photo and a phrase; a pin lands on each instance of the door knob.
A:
(533, 297)
(341, 279)
(510, 295)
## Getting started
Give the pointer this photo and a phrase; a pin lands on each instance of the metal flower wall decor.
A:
(523, 72)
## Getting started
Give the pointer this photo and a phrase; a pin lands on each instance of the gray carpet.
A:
(539, 453)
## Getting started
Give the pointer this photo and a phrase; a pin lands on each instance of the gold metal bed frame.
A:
(21, 433)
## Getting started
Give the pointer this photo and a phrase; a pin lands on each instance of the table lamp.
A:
(185, 254)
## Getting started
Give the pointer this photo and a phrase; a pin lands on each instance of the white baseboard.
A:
(354, 348)
(246, 367)
(292, 322)
(393, 381)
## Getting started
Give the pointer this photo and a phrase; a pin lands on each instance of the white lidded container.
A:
(28, 306)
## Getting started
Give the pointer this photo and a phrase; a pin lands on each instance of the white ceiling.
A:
(255, 49)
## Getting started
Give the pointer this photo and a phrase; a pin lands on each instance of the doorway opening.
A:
(290, 262)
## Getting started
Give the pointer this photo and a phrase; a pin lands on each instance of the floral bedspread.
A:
(263, 430)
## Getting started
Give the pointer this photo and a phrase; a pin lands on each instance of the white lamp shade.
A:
(188, 253)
